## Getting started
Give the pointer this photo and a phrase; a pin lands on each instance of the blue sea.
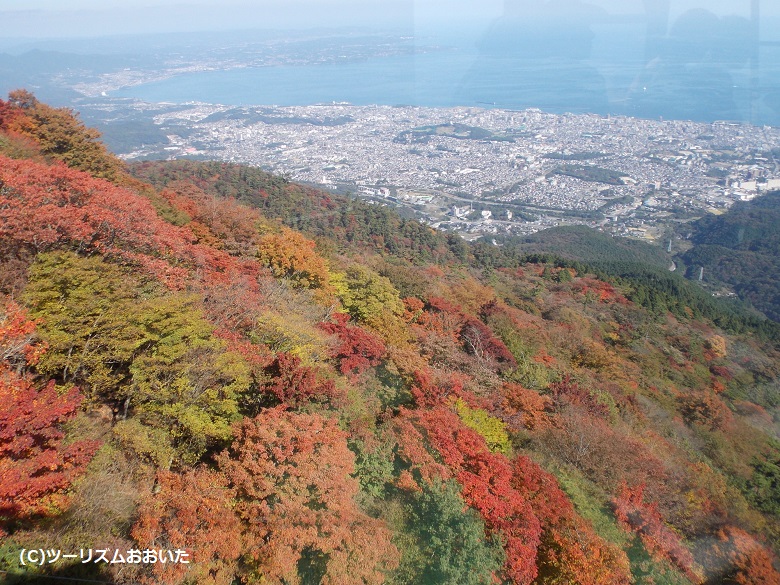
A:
(605, 73)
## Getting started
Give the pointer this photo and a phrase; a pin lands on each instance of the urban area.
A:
(480, 171)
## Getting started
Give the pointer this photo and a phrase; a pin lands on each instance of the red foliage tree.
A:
(428, 391)
(293, 384)
(600, 290)
(634, 514)
(480, 341)
(567, 391)
(230, 225)
(358, 349)
(570, 551)
(43, 207)
(485, 478)
(442, 317)
(722, 371)
(36, 468)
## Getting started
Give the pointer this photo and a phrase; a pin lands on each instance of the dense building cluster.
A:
(626, 174)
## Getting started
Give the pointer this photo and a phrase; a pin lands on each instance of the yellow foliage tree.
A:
(492, 429)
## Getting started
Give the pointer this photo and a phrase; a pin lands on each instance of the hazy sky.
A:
(56, 18)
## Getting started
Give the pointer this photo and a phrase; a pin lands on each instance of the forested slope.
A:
(293, 388)
(343, 223)
(742, 249)
(349, 222)
(582, 244)
(641, 269)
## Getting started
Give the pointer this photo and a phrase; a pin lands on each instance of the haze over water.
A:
(681, 59)
(700, 66)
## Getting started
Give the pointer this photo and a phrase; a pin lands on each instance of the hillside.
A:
(741, 248)
(351, 224)
(347, 222)
(582, 244)
(641, 269)
(283, 387)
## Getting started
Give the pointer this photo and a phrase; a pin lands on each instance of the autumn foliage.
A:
(271, 405)
(740, 558)
(485, 478)
(42, 207)
(295, 495)
(192, 512)
(358, 349)
(291, 255)
(634, 513)
(36, 465)
(294, 384)
(528, 409)
(570, 550)
(444, 318)
(705, 408)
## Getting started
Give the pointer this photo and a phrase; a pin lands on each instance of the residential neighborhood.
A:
(510, 172)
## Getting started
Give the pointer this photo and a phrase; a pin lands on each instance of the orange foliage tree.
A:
(191, 512)
(737, 557)
(62, 136)
(292, 475)
(530, 410)
(291, 255)
(704, 408)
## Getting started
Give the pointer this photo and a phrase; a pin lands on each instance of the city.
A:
(487, 171)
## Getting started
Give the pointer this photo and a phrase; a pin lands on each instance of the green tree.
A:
(185, 380)
(491, 428)
(448, 546)
(87, 308)
(152, 357)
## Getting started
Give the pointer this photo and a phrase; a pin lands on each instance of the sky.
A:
(75, 18)
(78, 17)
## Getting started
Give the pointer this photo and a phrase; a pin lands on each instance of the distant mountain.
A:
(741, 248)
